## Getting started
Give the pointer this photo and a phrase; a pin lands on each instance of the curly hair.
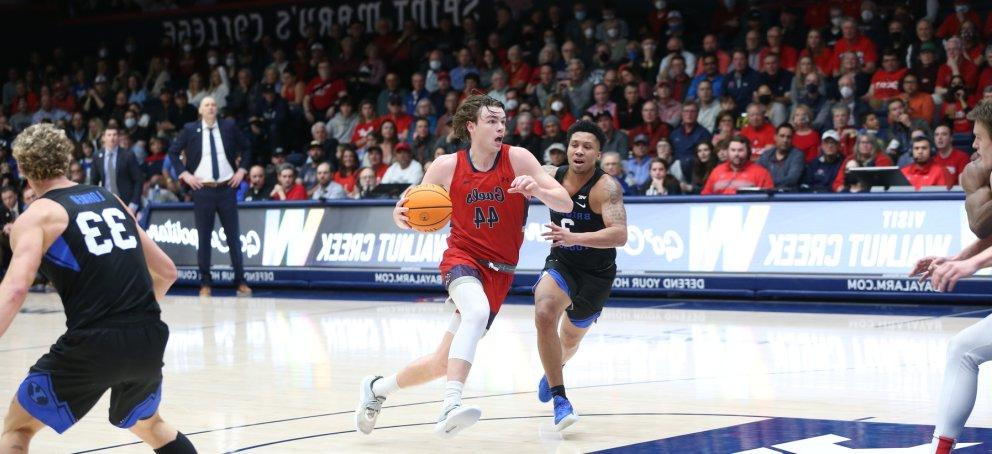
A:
(468, 111)
(43, 152)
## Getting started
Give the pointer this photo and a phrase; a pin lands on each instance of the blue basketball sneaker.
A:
(543, 390)
(564, 414)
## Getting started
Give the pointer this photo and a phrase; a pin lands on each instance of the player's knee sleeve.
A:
(968, 350)
(473, 307)
(180, 445)
(456, 320)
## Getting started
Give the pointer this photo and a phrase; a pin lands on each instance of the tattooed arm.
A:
(606, 198)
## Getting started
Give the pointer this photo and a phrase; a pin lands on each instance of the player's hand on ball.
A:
(946, 275)
(399, 214)
(524, 184)
(924, 267)
(558, 236)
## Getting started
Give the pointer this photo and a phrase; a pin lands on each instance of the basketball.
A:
(430, 207)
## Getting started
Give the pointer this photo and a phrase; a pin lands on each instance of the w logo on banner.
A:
(727, 232)
(295, 231)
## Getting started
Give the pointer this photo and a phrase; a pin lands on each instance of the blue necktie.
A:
(213, 155)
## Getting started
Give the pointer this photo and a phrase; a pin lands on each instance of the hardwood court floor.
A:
(274, 375)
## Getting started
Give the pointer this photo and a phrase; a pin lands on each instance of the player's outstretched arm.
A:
(533, 181)
(27, 241)
(160, 265)
(607, 196)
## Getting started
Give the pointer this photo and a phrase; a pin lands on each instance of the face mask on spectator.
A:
(435, 65)
(846, 92)
(764, 99)
(835, 21)
(660, 4)
(511, 104)
(138, 149)
(587, 32)
(612, 33)
(607, 17)
(580, 15)
(549, 40)
(143, 122)
(230, 60)
(812, 88)
(212, 61)
(187, 48)
(103, 52)
(961, 8)
(557, 106)
(129, 48)
(130, 122)
(867, 15)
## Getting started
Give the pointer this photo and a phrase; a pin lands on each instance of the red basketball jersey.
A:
(487, 221)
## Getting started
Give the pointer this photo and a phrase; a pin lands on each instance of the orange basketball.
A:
(430, 207)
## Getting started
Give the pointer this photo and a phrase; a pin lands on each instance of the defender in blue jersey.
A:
(110, 276)
(578, 274)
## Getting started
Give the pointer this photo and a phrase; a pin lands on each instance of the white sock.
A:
(453, 393)
(385, 386)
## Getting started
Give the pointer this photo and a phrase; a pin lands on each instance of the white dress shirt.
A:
(204, 171)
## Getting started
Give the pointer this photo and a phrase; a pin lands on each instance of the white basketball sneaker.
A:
(456, 418)
(369, 406)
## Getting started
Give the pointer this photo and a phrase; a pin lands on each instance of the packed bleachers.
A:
(816, 90)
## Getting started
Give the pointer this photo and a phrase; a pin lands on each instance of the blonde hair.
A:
(982, 114)
(43, 152)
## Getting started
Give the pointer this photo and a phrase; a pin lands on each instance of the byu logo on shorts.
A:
(37, 394)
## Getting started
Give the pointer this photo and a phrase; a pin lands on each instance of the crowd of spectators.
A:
(781, 98)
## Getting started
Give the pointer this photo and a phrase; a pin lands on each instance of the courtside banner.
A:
(872, 238)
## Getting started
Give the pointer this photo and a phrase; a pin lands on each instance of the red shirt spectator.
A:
(347, 181)
(929, 174)
(968, 71)
(297, 192)
(363, 129)
(958, 116)
(787, 56)
(952, 23)
(380, 170)
(808, 143)
(652, 127)
(860, 45)
(824, 59)
(952, 160)
(737, 172)
(725, 180)
(401, 120)
(885, 84)
(518, 73)
(323, 90)
(954, 163)
(761, 137)
(880, 160)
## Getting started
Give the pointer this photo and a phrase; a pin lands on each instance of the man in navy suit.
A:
(117, 170)
(217, 158)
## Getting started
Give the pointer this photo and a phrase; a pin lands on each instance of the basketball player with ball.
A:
(489, 185)
(578, 274)
(972, 346)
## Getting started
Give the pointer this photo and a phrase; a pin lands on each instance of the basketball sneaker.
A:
(564, 414)
(456, 418)
(369, 406)
(543, 390)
